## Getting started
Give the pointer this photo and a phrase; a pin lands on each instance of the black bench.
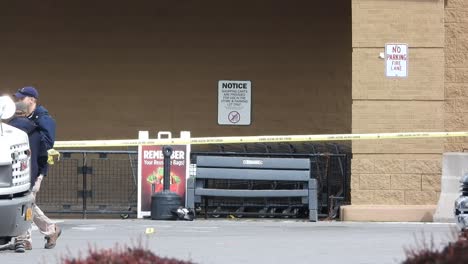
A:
(256, 172)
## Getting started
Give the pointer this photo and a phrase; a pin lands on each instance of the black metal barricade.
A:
(330, 165)
(91, 182)
(103, 182)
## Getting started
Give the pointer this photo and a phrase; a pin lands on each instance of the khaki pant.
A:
(45, 225)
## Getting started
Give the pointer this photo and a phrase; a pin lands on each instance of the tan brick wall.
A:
(456, 72)
(397, 172)
(375, 116)
(418, 23)
(396, 178)
(369, 82)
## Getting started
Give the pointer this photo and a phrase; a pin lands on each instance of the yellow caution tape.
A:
(253, 139)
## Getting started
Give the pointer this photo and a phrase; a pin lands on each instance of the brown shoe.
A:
(52, 239)
(20, 246)
(27, 245)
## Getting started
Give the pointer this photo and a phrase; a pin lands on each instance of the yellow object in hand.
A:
(51, 154)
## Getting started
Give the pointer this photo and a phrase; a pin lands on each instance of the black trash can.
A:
(162, 205)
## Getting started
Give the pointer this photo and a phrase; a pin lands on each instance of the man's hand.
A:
(37, 185)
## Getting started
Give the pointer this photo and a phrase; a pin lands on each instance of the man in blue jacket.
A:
(44, 121)
(46, 126)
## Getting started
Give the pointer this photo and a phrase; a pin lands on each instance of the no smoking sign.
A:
(234, 117)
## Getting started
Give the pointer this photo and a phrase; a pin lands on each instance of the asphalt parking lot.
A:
(242, 241)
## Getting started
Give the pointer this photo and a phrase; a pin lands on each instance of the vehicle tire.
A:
(4, 240)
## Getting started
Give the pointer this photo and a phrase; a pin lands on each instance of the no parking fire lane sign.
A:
(396, 60)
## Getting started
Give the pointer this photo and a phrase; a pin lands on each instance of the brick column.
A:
(397, 172)
(456, 72)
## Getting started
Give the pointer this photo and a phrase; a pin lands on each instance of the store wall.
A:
(456, 73)
(106, 69)
(397, 172)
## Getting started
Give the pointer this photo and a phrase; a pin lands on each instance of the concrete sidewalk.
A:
(243, 241)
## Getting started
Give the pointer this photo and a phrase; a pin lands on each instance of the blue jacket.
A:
(34, 136)
(46, 125)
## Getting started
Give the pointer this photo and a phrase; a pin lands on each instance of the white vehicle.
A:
(15, 196)
(461, 205)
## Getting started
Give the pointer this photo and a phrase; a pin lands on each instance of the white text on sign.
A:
(158, 154)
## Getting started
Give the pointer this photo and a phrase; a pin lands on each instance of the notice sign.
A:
(234, 102)
(151, 172)
(396, 60)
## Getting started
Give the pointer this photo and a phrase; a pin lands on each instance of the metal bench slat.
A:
(252, 174)
(253, 162)
(250, 193)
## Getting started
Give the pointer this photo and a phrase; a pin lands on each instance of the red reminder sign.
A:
(151, 172)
